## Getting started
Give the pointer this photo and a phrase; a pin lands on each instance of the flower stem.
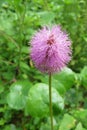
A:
(50, 100)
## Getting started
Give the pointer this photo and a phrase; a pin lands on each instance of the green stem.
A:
(50, 101)
(21, 18)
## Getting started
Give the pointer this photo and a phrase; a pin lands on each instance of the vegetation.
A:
(24, 101)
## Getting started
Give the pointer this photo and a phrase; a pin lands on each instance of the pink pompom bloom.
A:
(50, 49)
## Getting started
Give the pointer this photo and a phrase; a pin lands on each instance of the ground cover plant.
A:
(24, 100)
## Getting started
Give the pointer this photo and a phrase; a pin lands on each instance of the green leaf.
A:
(1, 2)
(79, 127)
(78, 79)
(2, 121)
(38, 100)
(69, 1)
(10, 127)
(58, 86)
(17, 96)
(67, 123)
(24, 66)
(55, 84)
(66, 77)
(25, 50)
(6, 26)
(84, 76)
(1, 87)
(46, 17)
(81, 115)
(47, 125)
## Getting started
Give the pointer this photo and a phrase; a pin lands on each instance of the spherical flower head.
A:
(50, 49)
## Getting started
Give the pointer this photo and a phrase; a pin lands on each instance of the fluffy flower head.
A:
(50, 49)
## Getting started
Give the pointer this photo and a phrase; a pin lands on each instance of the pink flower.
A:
(50, 49)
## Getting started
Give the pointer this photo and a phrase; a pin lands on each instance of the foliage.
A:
(39, 105)
(67, 123)
(24, 103)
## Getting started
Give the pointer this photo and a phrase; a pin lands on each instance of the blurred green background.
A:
(24, 103)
